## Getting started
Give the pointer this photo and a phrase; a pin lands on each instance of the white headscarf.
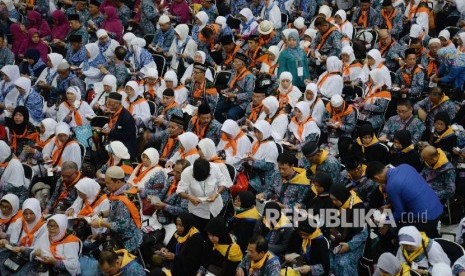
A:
(33, 204)
(152, 73)
(152, 155)
(441, 269)
(62, 222)
(314, 88)
(110, 80)
(376, 55)
(208, 148)
(134, 85)
(275, 51)
(311, 33)
(75, 90)
(203, 17)
(231, 127)
(349, 51)
(171, 76)
(342, 14)
(287, 32)
(221, 20)
(445, 34)
(50, 126)
(89, 187)
(410, 235)
(460, 35)
(285, 76)
(101, 32)
(128, 37)
(14, 202)
(5, 151)
(140, 42)
(333, 64)
(202, 53)
(416, 31)
(12, 71)
(264, 127)
(378, 77)
(188, 141)
(55, 59)
(93, 50)
(183, 31)
(304, 109)
(326, 10)
(389, 263)
(272, 104)
(299, 22)
(62, 128)
(24, 83)
(247, 13)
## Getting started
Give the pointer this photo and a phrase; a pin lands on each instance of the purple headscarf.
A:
(112, 24)
(61, 27)
(35, 21)
(29, 44)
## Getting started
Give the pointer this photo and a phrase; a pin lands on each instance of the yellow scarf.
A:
(127, 257)
(324, 155)
(258, 265)
(449, 131)
(407, 149)
(282, 221)
(445, 98)
(235, 253)
(308, 241)
(374, 141)
(249, 214)
(189, 234)
(354, 198)
(441, 161)
(410, 257)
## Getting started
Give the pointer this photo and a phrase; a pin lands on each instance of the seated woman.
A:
(389, 265)
(403, 151)
(9, 214)
(320, 201)
(207, 150)
(171, 81)
(234, 143)
(288, 94)
(25, 233)
(34, 43)
(245, 217)
(248, 23)
(12, 179)
(90, 68)
(351, 70)
(270, 64)
(74, 111)
(118, 156)
(330, 83)
(144, 173)
(91, 201)
(187, 149)
(261, 163)
(375, 100)
(302, 128)
(349, 240)
(47, 79)
(200, 58)
(185, 251)
(46, 133)
(442, 137)
(314, 252)
(277, 119)
(317, 107)
(21, 131)
(413, 244)
(182, 48)
(8, 92)
(136, 104)
(226, 254)
(57, 252)
(368, 145)
(34, 63)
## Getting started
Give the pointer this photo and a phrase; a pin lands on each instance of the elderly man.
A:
(433, 64)
(436, 102)
(106, 44)
(257, 252)
(204, 125)
(438, 172)
(65, 192)
(201, 89)
(340, 116)
(163, 37)
(168, 138)
(327, 41)
(76, 53)
(390, 50)
(122, 126)
(124, 220)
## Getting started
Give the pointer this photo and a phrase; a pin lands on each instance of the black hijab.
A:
(323, 180)
(15, 128)
(340, 192)
(247, 199)
(366, 129)
(404, 137)
(217, 227)
(187, 221)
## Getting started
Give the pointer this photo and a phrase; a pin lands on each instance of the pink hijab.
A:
(19, 37)
(35, 21)
(29, 44)
(180, 9)
(112, 24)
(61, 28)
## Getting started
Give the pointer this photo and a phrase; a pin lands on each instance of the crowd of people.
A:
(223, 137)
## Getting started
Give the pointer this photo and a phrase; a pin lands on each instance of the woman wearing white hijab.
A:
(248, 25)
(12, 179)
(389, 265)
(288, 94)
(106, 44)
(234, 142)
(136, 104)
(270, 65)
(330, 83)
(49, 75)
(199, 57)
(145, 170)
(374, 61)
(351, 68)
(201, 20)
(74, 111)
(262, 158)
(188, 148)
(102, 90)
(417, 15)
(183, 47)
(90, 66)
(54, 149)
(207, 151)
(412, 245)
(56, 247)
(46, 133)
(8, 91)
(171, 81)
(8, 216)
(302, 127)
(118, 156)
(375, 100)
(272, 13)
(278, 120)
(461, 42)
(90, 201)
(317, 107)
(345, 26)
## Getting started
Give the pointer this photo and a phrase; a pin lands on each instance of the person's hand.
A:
(194, 200)
(38, 253)
(213, 197)
(3, 242)
(421, 271)
(46, 158)
(105, 131)
(18, 249)
(422, 114)
(69, 212)
(93, 237)
(260, 197)
(168, 256)
(159, 205)
(383, 230)
(383, 138)
(240, 272)
(344, 248)
(97, 223)
(303, 269)
(323, 58)
(159, 120)
(169, 165)
(289, 258)
(230, 95)
(49, 261)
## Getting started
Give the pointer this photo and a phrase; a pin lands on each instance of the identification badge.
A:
(300, 71)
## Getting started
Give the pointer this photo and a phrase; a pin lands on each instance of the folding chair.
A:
(284, 19)
(28, 172)
(452, 249)
(160, 61)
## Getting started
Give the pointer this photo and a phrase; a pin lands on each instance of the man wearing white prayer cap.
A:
(106, 45)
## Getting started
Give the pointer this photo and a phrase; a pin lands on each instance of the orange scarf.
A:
(363, 19)
(41, 144)
(168, 147)
(324, 37)
(337, 117)
(238, 77)
(263, 41)
(173, 187)
(324, 78)
(140, 174)
(230, 57)
(64, 194)
(59, 147)
(232, 143)
(300, 126)
(256, 145)
(77, 115)
(15, 137)
(88, 208)
(408, 76)
(432, 66)
(135, 215)
(382, 49)
(255, 112)
(29, 235)
(198, 90)
(283, 98)
(189, 153)
(66, 239)
(376, 94)
(138, 100)
(388, 17)
(200, 132)
(114, 117)
(346, 68)
(14, 218)
(170, 106)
